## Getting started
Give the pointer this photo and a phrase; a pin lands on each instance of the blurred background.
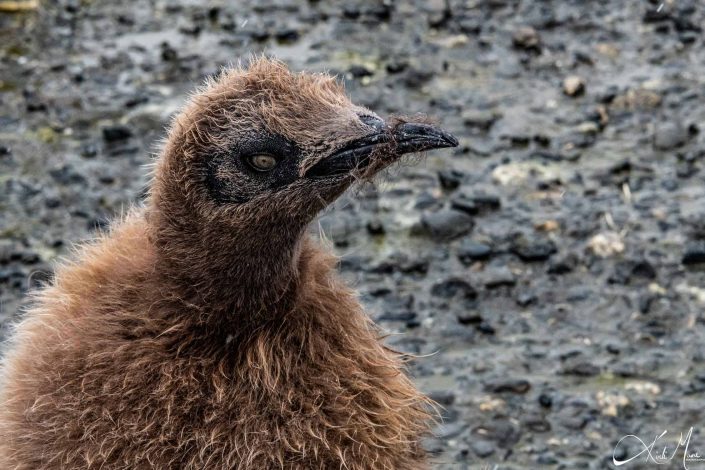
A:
(549, 271)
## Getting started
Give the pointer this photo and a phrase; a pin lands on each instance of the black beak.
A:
(404, 138)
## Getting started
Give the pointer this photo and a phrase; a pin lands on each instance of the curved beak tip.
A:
(416, 137)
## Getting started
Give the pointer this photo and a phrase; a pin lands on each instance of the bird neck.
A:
(231, 275)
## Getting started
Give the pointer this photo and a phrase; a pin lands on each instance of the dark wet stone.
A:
(375, 227)
(670, 135)
(545, 400)
(486, 328)
(694, 253)
(482, 448)
(656, 13)
(486, 202)
(644, 269)
(259, 34)
(463, 203)
(168, 54)
(517, 386)
(470, 251)
(533, 249)
(446, 224)
(627, 271)
(5, 150)
(563, 265)
(581, 369)
(67, 175)
(116, 133)
(359, 71)
(469, 318)
(450, 179)
(351, 12)
(645, 301)
(473, 204)
(396, 66)
(52, 202)
(454, 287)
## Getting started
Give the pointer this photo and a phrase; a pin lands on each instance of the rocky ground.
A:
(549, 272)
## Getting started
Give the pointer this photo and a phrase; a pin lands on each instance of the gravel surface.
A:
(550, 273)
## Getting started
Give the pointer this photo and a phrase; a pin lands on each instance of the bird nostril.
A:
(373, 121)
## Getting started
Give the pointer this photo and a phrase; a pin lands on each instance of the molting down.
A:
(207, 330)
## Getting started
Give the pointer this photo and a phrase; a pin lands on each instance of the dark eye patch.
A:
(230, 176)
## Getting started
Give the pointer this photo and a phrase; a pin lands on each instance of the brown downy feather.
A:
(195, 335)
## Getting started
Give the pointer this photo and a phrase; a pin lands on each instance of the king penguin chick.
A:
(207, 330)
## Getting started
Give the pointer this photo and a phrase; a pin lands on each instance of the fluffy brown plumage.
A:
(206, 329)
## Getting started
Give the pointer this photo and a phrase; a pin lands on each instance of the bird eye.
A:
(262, 162)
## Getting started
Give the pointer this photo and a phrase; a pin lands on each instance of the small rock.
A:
(359, 71)
(581, 369)
(450, 179)
(482, 448)
(518, 386)
(563, 265)
(447, 224)
(526, 38)
(533, 249)
(116, 133)
(694, 253)
(469, 318)
(486, 202)
(471, 250)
(396, 66)
(463, 203)
(375, 227)
(287, 35)
(573, 85)
(67, 175)
(498, 277)
(89, 151)
(486, 328)
(606, 244)
(670, 135)
(545, 400)
(454, 287)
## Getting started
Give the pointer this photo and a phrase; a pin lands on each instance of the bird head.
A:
(262, 142)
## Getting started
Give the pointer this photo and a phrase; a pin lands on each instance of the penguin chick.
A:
(207, 329)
